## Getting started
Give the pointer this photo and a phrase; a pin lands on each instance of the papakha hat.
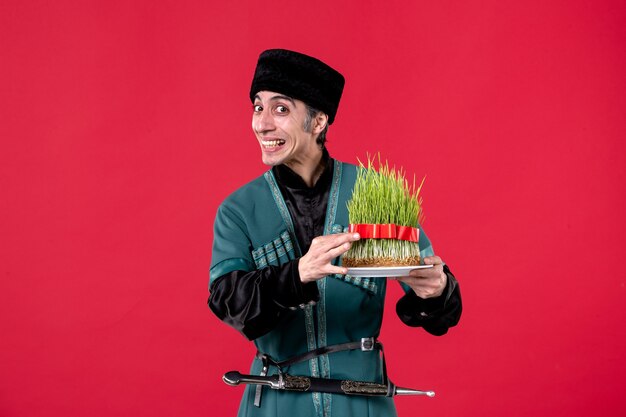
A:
(301, 77)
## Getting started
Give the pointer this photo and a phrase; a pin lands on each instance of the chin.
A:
(269, 161)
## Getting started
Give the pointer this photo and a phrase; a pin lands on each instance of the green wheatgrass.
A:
(382, 195)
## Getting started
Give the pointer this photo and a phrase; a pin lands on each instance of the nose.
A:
(263, 121)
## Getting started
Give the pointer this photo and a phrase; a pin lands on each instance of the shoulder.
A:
(346, 165)
(245, 194)
(348, 171)
(253, 204)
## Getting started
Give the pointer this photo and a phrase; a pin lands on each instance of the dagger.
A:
(310, 384)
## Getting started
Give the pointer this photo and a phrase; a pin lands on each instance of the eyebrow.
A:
(278, 97)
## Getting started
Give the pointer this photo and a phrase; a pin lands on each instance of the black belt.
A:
(366, 344)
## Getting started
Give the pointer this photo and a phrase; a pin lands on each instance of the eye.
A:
(257, 108)
(282, 109)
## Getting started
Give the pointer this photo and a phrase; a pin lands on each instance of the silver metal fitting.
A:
(367, 344)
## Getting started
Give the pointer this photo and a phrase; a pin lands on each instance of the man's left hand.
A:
(428, 282)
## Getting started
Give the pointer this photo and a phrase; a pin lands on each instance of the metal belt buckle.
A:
(367, 344)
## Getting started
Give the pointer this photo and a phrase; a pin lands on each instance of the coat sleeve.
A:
(254, 302)
(435, 315)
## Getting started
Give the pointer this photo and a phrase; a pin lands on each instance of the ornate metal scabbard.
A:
(309, 384)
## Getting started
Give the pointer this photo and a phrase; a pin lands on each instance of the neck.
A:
(310, 169)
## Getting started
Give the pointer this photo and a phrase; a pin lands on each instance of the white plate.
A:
(384, 271)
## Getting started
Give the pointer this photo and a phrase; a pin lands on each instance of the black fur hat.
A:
(300, 77)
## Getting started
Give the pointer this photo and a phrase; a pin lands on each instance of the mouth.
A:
(272, 144)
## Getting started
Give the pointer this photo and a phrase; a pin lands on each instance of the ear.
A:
(320, 122)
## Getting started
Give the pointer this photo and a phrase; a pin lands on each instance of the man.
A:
(275, 271)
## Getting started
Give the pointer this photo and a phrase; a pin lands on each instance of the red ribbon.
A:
(385, 231)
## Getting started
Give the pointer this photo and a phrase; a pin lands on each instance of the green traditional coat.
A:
(253, 229)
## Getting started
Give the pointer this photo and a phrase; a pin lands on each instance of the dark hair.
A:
(310, 115)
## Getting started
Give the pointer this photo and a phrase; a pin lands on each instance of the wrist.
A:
(304, 279)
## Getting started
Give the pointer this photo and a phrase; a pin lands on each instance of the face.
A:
(278, 123)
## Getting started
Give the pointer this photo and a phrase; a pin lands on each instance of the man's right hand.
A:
(316, 264)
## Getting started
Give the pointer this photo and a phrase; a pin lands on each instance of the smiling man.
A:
(286, 132)
(276, 273)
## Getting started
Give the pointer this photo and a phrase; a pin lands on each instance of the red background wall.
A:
(124, 124)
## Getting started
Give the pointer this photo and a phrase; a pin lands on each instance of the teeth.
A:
(272, 143)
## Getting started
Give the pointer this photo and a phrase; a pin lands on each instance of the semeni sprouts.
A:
(383, 196)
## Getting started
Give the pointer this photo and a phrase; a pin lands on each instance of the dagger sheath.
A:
(310, 384)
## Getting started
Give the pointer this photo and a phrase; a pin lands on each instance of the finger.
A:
(416, 281)
(432, 260)
(425, 288)
(334, 252)
(424, 280)
(332, 241)
(426, 273)
(337, 270)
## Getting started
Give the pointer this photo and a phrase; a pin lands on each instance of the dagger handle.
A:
(234, 378)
